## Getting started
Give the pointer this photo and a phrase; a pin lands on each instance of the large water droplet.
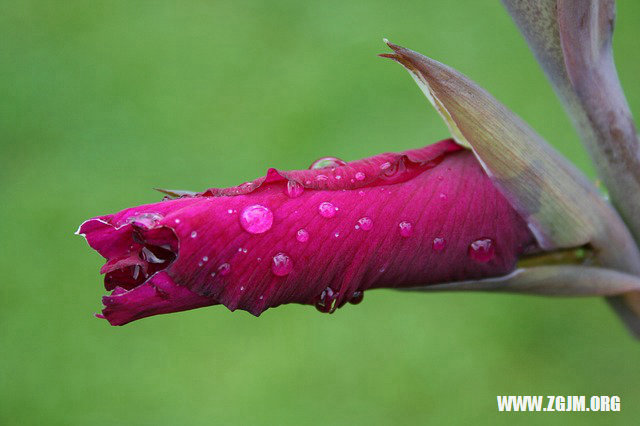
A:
(406, 229)
(326, 302)
(356, 297)
(327, 209)
(256, 219)
(224, 269)
(294, 189)
(302, 235)
(146, 220)
(482, 250)
(281, 264)
(439, 244)
(326, 162)
(360, 176)
(365, 223)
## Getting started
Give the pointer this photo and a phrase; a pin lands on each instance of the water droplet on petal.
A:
(326, 162)
(230, 211)
(194, 234)
(241, 288)
(302, 235)
(338, 177)
(365, 223)
(360, 176)
(406, 229)
(441, 178)
(256, 219)
(482, 250)
(213, 274)
(356, 297)
(442, 196)
(177, 221)
(337, 234)
(326, 301)
(385, 165)
(146, 220)
(281, 264)
(327, 209)
(205, 258)
(439, 244)
(294, 189)
(322, 178)
(224, 269)
(361, 193)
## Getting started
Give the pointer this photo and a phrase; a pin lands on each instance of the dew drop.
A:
(177, 221)
(439, 244)
(360, 176)
(361, 193)
(213, 274)
(322, 178)
(224, 269)
(365, 223)
(194, 234)
(294, 189)
(440, 178)
(241, 288)
(256, 219)
(146, 220)
(302, 235)
(356, 297)
(482, 250)
(230, 211)
(337, 234)
(326, 162)
(406, 229)
(327, 209)
(385, 165)
(338, 177)
(442, 196)
(205, 258)
(281, 264)
(326, 301)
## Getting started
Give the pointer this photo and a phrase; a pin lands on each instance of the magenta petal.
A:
(159, 295)
(395, 220)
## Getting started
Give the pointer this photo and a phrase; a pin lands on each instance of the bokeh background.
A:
(100, 101)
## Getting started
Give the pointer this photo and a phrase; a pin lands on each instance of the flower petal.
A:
(159, 295)
(395, 220)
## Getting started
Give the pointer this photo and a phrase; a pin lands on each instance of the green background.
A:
(100, 101)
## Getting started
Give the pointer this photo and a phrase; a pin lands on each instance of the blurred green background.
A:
(102, 100)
